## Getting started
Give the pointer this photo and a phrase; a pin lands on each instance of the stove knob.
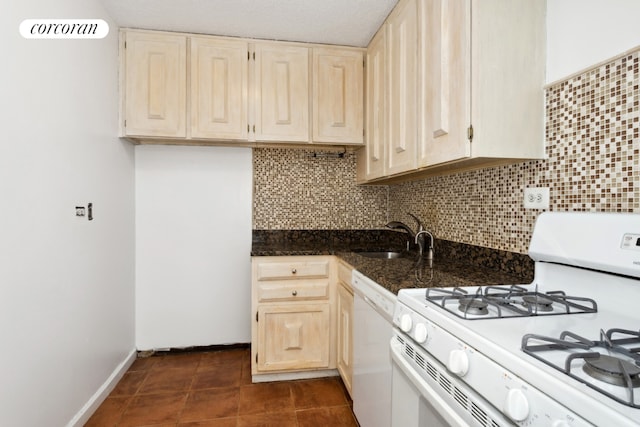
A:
(406, 322)
(420, 333)
(516, 406)
(458, 363)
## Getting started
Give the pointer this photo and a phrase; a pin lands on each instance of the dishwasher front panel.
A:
(371, 365)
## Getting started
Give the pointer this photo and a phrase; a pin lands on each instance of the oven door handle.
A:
(434, 399)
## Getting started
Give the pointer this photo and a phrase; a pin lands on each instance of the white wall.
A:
(193, 245)
(66, 284)
(582, 33)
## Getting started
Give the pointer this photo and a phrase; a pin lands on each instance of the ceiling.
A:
(344, 22)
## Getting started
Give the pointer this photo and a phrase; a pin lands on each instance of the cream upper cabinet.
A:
(238, 91)
(391, 85)
(219, 81)
(338, 95)
(282, 93)
(156, 83)
(371, 159)
(401, 58)
(480, 77)
(483, 67)
(445, 90)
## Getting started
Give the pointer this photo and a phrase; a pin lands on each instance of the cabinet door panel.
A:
(155, 94)
(371, 158)
(293, 337)
(337, 96)
(219, 89)
(345, 335)
(445, 94)
(282, 92)
(402, 39)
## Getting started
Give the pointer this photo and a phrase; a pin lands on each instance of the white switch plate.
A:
(536, 198)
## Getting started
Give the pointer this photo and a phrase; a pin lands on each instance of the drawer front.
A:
(292, 270)
(290, 290)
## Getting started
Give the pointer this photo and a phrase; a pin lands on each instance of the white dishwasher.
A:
(372, 331)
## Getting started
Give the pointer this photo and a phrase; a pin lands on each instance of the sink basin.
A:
(382, 254)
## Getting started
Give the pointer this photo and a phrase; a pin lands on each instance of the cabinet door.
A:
(402, 48)
(219, 89)
(371, 158)
(155, 79)
(345, 335)
(337, 96)
(445, 69)
(282, 93)
(293, 337)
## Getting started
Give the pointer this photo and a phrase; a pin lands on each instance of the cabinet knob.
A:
(294, 271)
(294, 293)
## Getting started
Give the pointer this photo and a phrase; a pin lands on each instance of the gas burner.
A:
(538, 303)
(613, 360)
(473, 306)
(612, 370)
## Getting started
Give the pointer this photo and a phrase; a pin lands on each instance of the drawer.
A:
(292, 270)
(290, 290)
(344, 273)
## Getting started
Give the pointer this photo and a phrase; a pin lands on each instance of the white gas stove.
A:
(561, 351)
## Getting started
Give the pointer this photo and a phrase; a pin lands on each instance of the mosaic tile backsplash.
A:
(294, 190)
(593, 164)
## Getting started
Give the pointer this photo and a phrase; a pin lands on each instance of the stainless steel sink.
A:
(382, 254)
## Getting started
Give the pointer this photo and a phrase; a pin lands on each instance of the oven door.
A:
(425, 394)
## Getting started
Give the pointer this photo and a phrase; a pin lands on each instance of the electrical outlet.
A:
(536, 198)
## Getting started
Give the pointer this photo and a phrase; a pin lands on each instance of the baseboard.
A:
(101, 394)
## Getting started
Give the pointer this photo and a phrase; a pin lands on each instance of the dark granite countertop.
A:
(411, 272)
(454, 264)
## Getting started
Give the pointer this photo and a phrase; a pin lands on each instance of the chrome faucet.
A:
(417, 237)
(394, 225)
(420, 243)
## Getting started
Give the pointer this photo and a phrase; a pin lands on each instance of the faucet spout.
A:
(397, 225)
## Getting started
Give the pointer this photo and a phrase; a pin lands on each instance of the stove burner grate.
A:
(610, 369)
(493, 302)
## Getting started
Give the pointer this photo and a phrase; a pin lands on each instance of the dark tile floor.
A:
(214, 389)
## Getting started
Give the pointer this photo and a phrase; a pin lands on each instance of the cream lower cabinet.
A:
(293, 337)
(344, 326)
(293, 331)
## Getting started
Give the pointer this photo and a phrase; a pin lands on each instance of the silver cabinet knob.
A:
(294, 293)
(294, 271)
